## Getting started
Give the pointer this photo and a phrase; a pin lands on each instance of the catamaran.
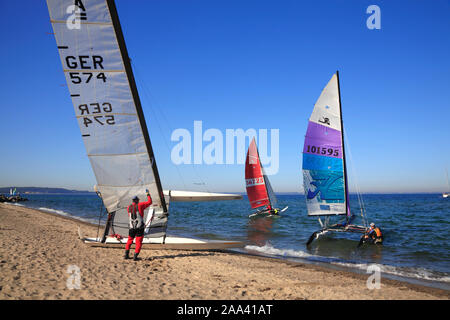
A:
(324, 165)
(259, 190)
(110, 116)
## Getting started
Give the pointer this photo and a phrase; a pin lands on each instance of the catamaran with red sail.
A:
(259, 191)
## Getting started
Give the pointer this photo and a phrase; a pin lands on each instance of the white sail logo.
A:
(252, 160)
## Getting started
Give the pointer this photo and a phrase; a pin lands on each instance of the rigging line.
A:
(149, 95)
(99, 218)
(448, 183)
(203, 182)
(355, 179)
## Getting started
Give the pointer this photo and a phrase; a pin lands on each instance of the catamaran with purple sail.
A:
(324, 166)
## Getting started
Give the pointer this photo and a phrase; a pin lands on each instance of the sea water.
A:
(415, 229)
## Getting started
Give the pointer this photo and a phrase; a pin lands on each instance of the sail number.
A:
(323, 151)
(93, 109)
(254, 182)
(87, 76)
(85, 63)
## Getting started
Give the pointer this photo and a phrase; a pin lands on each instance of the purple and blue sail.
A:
(323, 156)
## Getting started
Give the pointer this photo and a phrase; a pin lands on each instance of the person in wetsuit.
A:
(136, 225)
(374, 234)
(272, 210)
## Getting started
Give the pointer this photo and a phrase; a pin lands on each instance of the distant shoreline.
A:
(40, 190)
(63, 191)
(60, 193)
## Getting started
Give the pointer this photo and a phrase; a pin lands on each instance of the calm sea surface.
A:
(415, 226)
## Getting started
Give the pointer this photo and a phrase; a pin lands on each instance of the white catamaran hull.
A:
(174, 243)
(266, 213)
(170, 242)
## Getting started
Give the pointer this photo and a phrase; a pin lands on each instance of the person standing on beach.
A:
(137, 225)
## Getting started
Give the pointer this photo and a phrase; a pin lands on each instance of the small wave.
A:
(416, 273)
(60, 212)
(14, 204)
(268, 249)
(63, 213)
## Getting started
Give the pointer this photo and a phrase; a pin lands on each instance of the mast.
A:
(262, 173)
(343, 147)
(448, 183)
(137, 101)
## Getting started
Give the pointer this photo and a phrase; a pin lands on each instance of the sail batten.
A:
(323, 166)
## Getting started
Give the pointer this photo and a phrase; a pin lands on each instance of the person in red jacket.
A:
(137, 225)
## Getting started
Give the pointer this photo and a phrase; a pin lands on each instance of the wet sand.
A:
(38, 249)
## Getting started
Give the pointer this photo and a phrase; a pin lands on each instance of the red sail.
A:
(254, 179)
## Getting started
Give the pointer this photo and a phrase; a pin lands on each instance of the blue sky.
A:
(243, 64)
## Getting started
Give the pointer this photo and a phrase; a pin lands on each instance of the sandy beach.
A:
(39, 250)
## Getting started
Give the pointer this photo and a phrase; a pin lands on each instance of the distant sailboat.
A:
(259, 190)
(446, 194)
(110, 116)
(324, 164)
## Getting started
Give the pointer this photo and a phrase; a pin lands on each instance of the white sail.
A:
(327, 109)
(188, 196)
(109, 113)
(105, 107)
(270, 193)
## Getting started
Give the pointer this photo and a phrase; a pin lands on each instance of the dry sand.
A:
(37, 248)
